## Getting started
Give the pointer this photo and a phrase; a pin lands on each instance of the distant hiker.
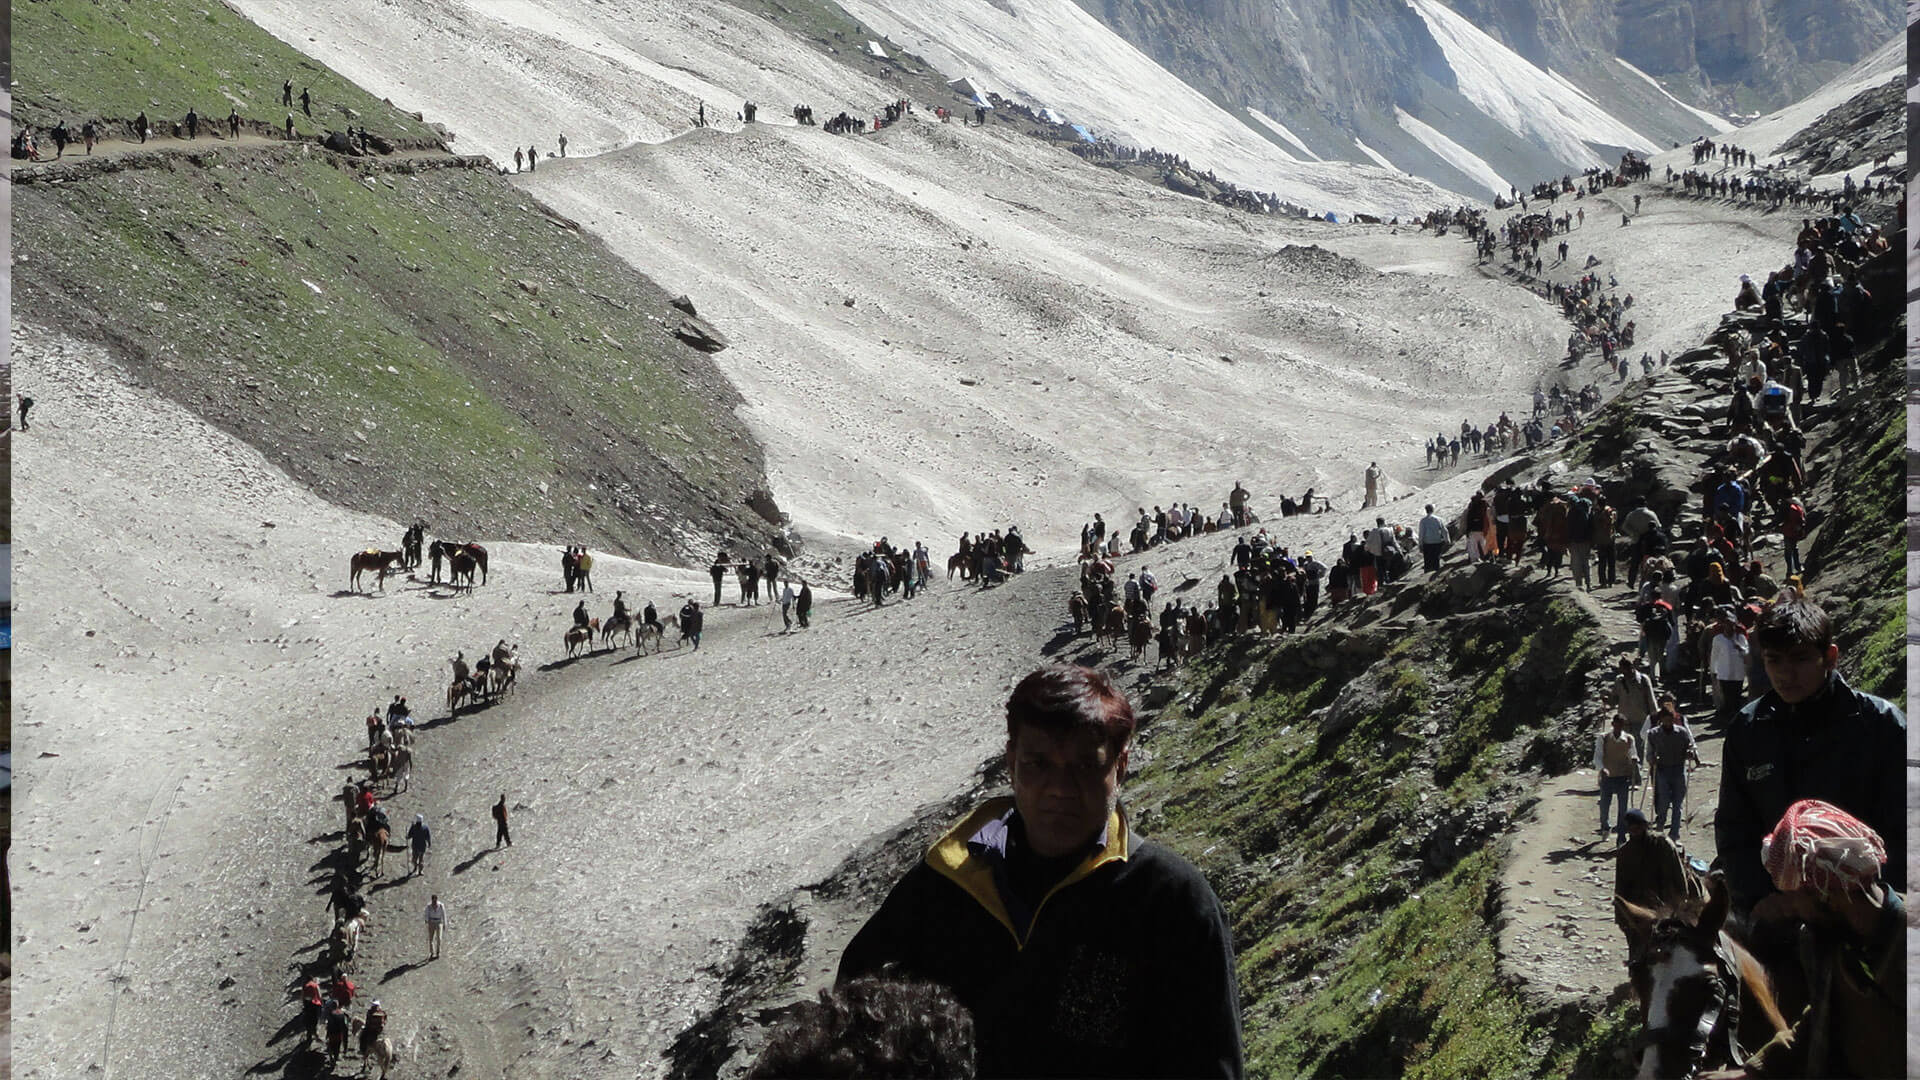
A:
(500, 833)
(702, 122)
(719, 573)
(1373, 484)
(419, 839)
(692, 620)
(141, 127)
(803, 604)
(567, 571)
(436, 922)
(26, 403)
(533, 158)
(60, 139)
(193, 123)
(233, 122)
(289, 126)
(787, 597)
(1636, 204)
(563, 144)
(286, 93)
(306, 102)
(516, 159)
(89, 134)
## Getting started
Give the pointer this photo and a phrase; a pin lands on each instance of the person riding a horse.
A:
(375, 1026)
(580, 616)
(619, 605)
(650, 617)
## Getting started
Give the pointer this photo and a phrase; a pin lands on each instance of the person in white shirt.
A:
(786, 606)
(436, 922)
(1728, 659)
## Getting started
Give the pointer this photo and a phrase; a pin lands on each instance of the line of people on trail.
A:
(750, 574)
(327, 994)
(1809, 825)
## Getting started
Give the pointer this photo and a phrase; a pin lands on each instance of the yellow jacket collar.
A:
(953, 858)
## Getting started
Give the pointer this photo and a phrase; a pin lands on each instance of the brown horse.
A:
(1704, 1000)
(1077, 610)
(457, 692)
(616, 627)
(378, 842)
(1110, 626)
(961, 563)
(460, 569)
(1139, 634)
(371, 559)
(579, 636)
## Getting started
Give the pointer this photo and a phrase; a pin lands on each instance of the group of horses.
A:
(463, 561)
(492, 676)
(622, 626)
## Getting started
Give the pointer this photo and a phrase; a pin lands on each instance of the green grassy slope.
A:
(111, 59)
(413, 344)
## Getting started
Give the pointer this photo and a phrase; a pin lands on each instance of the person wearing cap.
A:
(1809, 737)
(375, 1026)
(1748, 298)
(1312, 569)
(1832, 896)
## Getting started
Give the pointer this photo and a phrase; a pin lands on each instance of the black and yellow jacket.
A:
(1124, 968)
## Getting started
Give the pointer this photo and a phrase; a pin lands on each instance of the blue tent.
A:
(1084, 133)
(1331, 218)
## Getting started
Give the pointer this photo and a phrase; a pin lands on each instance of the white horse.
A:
(646, 632)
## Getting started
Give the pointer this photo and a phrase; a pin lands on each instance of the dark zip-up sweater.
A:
(1124, 968)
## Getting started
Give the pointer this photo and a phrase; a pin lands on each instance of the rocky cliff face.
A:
(1336, 70)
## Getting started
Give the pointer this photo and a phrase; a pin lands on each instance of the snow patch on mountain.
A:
(1377, 156)
(1717, 123)
(1452, 153)
(1534, 104)
(1051, 53)
(1281, 130)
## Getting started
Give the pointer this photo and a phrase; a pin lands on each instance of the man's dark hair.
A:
(1794, 621)
(873, 1026)
(1061, 698)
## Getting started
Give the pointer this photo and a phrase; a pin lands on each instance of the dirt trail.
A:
(110, 149)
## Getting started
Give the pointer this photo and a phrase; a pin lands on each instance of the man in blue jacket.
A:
(1810, 737)
(1080, 947)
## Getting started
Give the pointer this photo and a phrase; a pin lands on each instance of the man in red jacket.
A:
(1081, 948)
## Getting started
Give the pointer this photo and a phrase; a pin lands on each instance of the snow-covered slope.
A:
(1538, 105)
(1052, 53)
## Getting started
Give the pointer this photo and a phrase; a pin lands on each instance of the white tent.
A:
(874, 48)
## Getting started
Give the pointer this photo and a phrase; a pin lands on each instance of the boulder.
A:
(684, 303)
(700, 334)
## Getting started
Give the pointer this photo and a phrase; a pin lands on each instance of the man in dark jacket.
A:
(1810, 737)
(1081, 948)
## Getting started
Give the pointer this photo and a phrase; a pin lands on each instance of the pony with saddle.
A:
(655, 633)
(381, 562)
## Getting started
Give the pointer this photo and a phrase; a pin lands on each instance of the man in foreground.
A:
(1080, 948)
(1809, 737)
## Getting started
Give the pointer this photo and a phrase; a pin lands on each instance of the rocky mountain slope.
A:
(1340, 71)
